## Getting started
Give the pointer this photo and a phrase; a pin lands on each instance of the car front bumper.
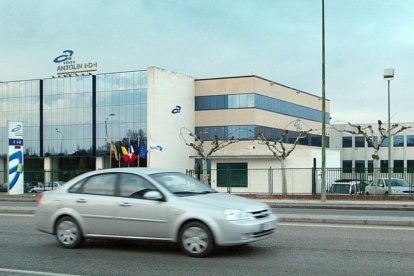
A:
(239, 232)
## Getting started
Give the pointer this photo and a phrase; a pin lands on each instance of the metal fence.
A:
(44, 180)
(299, 181)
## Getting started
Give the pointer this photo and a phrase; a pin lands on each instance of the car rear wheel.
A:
(196, 239)
(366, 193)
(68, 233)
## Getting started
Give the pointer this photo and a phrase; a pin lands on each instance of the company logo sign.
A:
(69, 66)
(67, 55)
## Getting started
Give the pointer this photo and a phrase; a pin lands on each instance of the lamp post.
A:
(389, 75)
(61, 141)
(107, 138)
(323, 177)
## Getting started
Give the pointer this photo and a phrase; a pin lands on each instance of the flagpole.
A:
(129, 149)
(138, 148)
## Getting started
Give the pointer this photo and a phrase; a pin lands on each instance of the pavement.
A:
(352, 204)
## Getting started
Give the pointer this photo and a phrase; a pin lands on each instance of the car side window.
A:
(100, 185)
(134, 186)
(380, 183)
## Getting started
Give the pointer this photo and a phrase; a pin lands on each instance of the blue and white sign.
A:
(15, 159)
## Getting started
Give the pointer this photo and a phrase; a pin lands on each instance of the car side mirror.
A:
(153, 195)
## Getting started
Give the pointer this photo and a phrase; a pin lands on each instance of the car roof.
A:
(142, 171)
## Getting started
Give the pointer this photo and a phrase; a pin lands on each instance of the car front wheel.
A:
(68, 233)
(196, 239)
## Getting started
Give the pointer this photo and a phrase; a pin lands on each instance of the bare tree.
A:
(368, 133)
(197, 144)
(280, 151)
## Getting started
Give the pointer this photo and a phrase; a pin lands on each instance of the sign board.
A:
(15, 159)
(68, 66)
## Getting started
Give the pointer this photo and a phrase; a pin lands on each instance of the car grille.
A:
(261, 214)
(263, 233)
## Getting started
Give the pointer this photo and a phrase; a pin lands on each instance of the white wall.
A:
(298, 171)
(166, 90)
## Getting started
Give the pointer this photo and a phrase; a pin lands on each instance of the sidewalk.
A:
(407, 205)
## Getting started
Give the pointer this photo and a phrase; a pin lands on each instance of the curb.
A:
(374, 221)
(402, 207)
(350, 220)
(17, 210)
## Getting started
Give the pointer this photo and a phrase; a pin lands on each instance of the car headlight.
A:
(234, 214)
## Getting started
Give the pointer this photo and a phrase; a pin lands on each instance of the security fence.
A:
(43, 180)
(298, 181)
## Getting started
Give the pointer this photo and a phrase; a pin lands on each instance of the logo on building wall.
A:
(68, 66)
(176, 110)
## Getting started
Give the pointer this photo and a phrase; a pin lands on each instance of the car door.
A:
(137, 216)
(381, 187)
(93, 200)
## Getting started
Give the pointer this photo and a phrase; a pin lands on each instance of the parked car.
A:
(47, 187)
(398, 187)
(26, 188)
(151, 204)
(347, 186)
(3, 188)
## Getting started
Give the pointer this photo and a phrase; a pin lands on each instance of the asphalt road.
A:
(296, 249)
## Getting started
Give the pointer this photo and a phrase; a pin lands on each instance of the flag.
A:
(114, 151)
(132, 155)
(125, 154)
(142, 150)
(156, 147)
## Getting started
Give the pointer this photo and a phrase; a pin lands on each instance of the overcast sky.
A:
(280, 40)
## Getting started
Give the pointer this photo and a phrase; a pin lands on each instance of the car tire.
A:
(68, 233)
(366, 193)
(196, 239)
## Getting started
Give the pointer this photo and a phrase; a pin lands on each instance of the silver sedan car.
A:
(151, 204)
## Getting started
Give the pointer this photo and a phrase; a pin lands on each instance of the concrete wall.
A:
(166, 90)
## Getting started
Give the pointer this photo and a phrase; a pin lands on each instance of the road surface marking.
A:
(31, 272)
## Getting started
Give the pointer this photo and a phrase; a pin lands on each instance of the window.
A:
(398, 140)
(347, 166)
(386, 142)
(384, 166)
(134, 186)
(347, 142)
(359, 141)
(100, 185)
(360, 166)
(410, 166)
(370, 166)
(232, 174)
(398, 166)
(410, 140)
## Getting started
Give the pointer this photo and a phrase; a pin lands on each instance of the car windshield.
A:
(398, 183)
(181, 184)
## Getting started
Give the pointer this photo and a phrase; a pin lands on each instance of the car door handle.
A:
(81, 200)
(125, 204)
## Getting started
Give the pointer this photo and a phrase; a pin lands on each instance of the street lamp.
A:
(389, 75)
(61, 141)
(323, 176)
(107, 138)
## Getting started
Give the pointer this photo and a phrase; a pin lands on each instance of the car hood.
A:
(400, 190)
(226, 201)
